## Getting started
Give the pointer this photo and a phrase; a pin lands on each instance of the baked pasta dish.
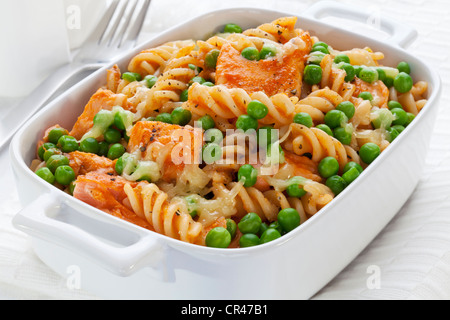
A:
(231, 141)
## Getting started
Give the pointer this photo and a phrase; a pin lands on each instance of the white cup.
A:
(33, 43)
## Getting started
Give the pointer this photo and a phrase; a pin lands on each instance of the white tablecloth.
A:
(411, 254)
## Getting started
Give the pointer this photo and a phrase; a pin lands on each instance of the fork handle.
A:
(59, 81)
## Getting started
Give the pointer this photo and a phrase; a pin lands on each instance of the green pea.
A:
(349, 70)
(72, 187)
(276, 225)
(312, 74)
(369, 152)
(184, 95)
(211, 59)
(112, 136)
(401, 117)
(207, 122)
(394, 105)
(343, 135)
(350, 175)
(326, 129)
(320, 49)
(295, 191)
(392, 134)
(181, 116)
(335, 118)
(411, 117)
(348, 108)
(131, 76)
(368, 74)
(248, 240)
(150, 81)
(119, 166)
(383, 118)
(328, 167)
(381, 74)
(366, 96)
(265, 136)
(358, 70)
(231, 227)
(212, 153)
(341, 58)
(316, 58)
(214, 136)
(218, 237)
(64, 175)
(269, 235)
(232, 28)
(268, 51)
(403, 82)
(68, 144)
(55, 134)
(44, 147)
(320, 44)
(56, 161)
(248, 174)
(246, 122)
(262, 228)
(351, 165)
(104, 119)
(208, 84)
(404, 67)
(250, 223)
(304, 119)
(116, 151)
(336, 183)
(103, 148)
(46, 174)
(257, 110)
(250, 53)
(289, 219)
(164, 117)
(51, 152)
(197, 79)
(119, 120)
(398, 128)
(389, 82)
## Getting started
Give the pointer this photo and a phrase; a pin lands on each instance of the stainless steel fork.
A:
(117, 31)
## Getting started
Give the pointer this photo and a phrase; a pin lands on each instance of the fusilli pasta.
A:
(207, 140)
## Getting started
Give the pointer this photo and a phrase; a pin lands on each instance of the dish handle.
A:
(400, 34)
(50, 218)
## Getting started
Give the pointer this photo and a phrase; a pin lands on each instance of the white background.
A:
(411, 255)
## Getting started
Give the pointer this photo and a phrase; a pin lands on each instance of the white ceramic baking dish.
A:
(119, 260)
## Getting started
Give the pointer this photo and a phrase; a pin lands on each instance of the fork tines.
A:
(123, 22)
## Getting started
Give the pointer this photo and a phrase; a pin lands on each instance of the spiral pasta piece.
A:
(318, 103)
(231, 103)
(168, 88)
(334, 78)
(318, 196)
(319, 144)
(148, 62)
(281, 30)
(363, 56)
(168, 217)
(237, 40)
(253, 200)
